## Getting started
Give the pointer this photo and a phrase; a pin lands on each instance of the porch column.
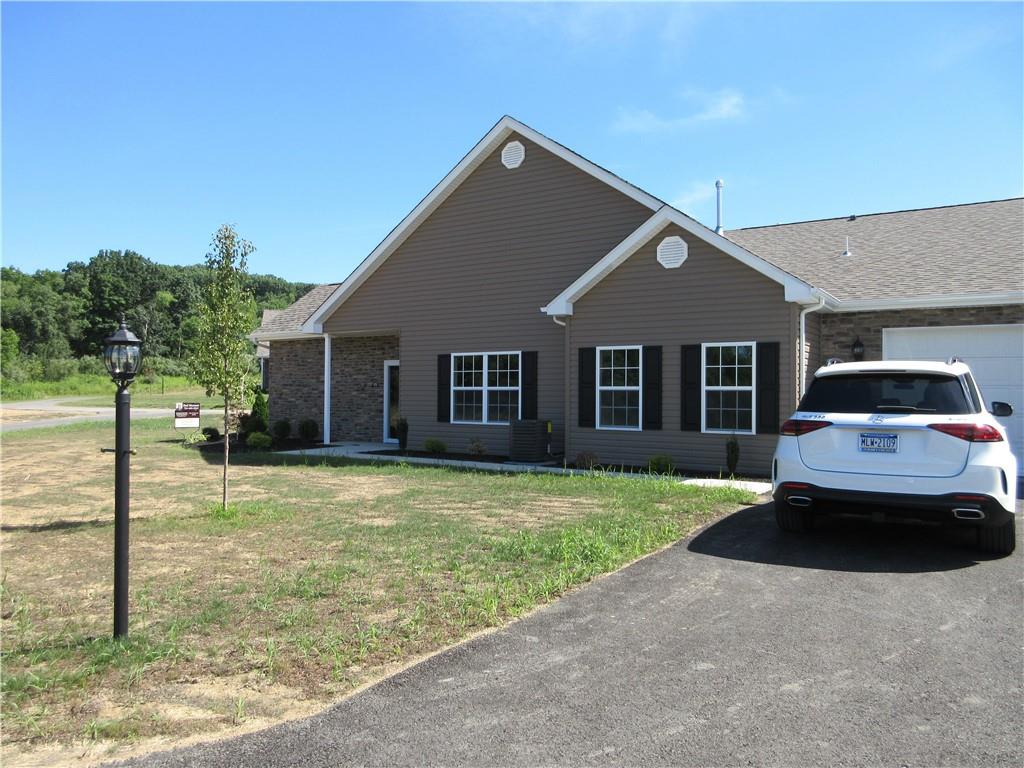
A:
(327, 388)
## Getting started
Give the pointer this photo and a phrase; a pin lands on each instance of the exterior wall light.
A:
(857, 348)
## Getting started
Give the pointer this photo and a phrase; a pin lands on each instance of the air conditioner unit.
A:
(528, 440)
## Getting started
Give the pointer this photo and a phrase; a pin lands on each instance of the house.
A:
(533, 283)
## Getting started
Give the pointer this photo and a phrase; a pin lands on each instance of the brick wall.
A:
(296, 387)
(357, 386)
(839, 330)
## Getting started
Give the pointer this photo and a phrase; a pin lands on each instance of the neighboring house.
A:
(531, 282)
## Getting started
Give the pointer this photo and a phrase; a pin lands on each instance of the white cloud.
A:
(697, 193)
(726, 104)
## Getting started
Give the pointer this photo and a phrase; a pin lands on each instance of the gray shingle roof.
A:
(973, 248)
(291, 318)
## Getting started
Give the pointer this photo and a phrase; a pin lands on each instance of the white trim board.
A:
(501, 131)
(258, 336)
(950, 300)
(796, 289)
(387, 399)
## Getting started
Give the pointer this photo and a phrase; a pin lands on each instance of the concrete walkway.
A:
(366, 452)
(856, 645)
(66, 412)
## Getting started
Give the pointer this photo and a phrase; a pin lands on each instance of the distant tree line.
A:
(54, 322)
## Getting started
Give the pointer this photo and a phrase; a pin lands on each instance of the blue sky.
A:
(315, 128)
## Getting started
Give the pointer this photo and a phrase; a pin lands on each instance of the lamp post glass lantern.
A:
(122, 354)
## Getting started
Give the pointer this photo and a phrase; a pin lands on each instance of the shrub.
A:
(282, 429)
(253, 422)
(661, 464)
(59, 368)
(586, 460)
(91, 364)
(194, 437)
(167, 366)
(476, 447)
(308, 430)
(212, 434)
(259, 441)
(402, 430)
(9, 349)
(260, 413)
(433, 445)
(732, 454)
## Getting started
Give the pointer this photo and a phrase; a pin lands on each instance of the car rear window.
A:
(886, 393)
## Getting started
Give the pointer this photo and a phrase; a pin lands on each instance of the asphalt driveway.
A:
(858, 645)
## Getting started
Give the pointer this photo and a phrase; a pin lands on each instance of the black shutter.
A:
(767, 387)
(529, 385)
(444, 388)
(690, 396)
(652, 388)
(588, 385)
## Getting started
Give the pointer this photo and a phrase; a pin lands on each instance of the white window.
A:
(618, 387)
(727, 394)
(485, 387)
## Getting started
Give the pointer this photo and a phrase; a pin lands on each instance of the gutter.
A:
(801, 383)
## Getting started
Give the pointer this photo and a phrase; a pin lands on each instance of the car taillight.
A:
(797, 427)
(972, 433)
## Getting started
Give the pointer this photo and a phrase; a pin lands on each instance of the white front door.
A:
(391, 400)
(995, 354)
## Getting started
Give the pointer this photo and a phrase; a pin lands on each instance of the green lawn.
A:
(89, 384)
(144, 399)
(322, 576)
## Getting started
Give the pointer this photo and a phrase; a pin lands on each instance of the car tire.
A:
(998, 539)
(792, 519)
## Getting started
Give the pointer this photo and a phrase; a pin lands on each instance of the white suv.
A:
(898, 439)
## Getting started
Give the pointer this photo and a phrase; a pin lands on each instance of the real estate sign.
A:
(186, 416)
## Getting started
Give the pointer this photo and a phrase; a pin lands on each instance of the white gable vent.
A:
(672, 252)
(512, 154)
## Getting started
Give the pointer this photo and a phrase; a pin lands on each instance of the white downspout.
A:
(557, 321)
(803, 344)
(327, 388)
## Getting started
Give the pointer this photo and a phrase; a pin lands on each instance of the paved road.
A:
(72, 413)
(859, 645)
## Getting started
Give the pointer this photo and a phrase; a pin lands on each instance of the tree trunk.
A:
(227, 443)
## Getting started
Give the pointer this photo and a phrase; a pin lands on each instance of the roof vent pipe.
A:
(718, 194)
(847, 252)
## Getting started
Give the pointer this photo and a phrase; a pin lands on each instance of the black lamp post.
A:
(122, 356)
(857, 348)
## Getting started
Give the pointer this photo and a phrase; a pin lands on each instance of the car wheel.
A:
(998, 539)
(792, 519)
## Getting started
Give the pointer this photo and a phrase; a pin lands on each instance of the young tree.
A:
(222, 359)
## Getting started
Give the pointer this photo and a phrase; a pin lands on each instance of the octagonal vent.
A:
(513, 154)
(672, 252)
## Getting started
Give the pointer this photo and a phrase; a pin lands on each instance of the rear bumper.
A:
(953, 508)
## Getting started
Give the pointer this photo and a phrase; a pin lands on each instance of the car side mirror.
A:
(1002, 409)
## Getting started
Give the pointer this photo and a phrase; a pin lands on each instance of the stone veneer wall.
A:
(357, 386)
(839, 330)
(296, 387)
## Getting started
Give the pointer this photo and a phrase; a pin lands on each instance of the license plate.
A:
(877, 442)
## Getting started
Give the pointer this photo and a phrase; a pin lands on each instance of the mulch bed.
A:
(217, 446)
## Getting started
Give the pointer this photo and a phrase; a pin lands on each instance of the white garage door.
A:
(994, 352)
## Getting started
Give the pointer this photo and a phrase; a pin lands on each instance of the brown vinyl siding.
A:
(710, 298)
(474, 275)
